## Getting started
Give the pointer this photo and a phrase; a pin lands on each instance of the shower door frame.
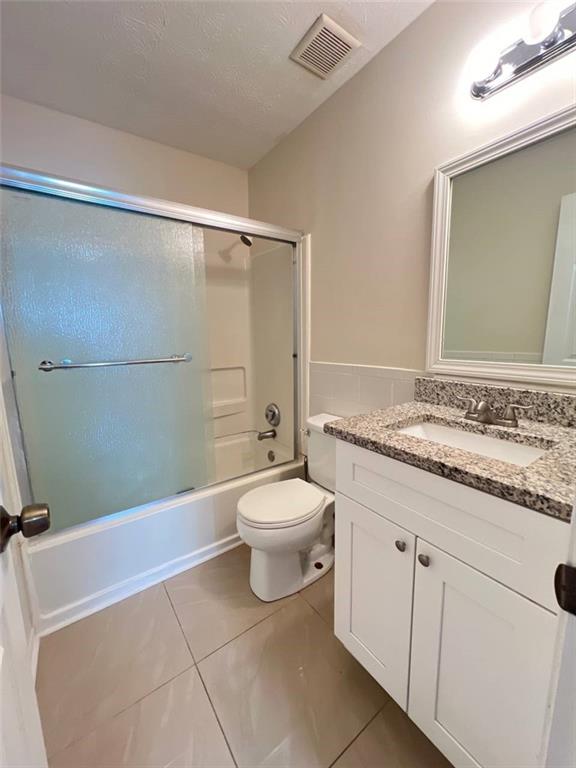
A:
(34, 181)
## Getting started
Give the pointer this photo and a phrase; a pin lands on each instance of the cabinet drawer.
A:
(374, 577)
(512, 544)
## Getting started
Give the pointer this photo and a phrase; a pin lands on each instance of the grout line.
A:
(358, 735)
(232, 755)
(244, 631)
(179, 624)
(301, 593)
(224, 736)
(120, 712)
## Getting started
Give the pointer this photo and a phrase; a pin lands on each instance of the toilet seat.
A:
(281, 505)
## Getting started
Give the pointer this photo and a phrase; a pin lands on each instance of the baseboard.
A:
(52, 622)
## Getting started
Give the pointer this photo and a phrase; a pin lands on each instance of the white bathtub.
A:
(78, 571)
(236, 455)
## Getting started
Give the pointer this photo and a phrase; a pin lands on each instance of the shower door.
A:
(83, 283)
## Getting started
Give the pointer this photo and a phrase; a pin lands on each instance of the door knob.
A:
(400, 545)
(424, 560)
(34, 519)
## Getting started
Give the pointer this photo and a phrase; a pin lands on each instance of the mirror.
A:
(503, 299)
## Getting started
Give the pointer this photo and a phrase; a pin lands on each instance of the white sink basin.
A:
(492, 447)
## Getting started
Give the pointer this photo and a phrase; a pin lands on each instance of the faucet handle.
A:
(511, 411)
(471, 403)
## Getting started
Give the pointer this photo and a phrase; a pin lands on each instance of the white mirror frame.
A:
(435, 363)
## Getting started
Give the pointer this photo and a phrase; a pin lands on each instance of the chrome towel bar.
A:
(48, 365)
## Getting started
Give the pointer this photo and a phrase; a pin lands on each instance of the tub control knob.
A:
(272, 414)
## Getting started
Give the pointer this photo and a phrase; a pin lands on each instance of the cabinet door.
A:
(480, 666)
(374, 576)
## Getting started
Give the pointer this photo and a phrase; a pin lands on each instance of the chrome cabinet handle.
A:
(400, 545)
(424, 560)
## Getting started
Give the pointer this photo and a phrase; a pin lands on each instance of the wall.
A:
(272, 285)
(63, 145)
(358, 173)
(503, 228)
(347, 390)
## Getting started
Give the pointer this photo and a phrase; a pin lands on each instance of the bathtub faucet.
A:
(270, 434)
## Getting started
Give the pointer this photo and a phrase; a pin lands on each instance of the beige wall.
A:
(358, 173)
(503, 228)
(63, 145)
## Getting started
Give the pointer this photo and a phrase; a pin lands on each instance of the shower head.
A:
(246, 240)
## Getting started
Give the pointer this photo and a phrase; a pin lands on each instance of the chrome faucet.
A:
(269, 434)
(482, 412)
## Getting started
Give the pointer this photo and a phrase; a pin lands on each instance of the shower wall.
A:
(271, 280)
(227, 262)
(249, 305)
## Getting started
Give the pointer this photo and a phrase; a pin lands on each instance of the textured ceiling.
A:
(212, 78)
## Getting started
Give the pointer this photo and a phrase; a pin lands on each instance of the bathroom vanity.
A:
(445, 563)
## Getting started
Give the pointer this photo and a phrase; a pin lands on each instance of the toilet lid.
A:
(279, 504)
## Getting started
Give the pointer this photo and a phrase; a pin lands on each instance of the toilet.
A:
(290, 525)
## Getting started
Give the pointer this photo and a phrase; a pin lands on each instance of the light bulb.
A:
(541, 21)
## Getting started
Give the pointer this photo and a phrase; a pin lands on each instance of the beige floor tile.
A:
(100, 665)
(214, 602)
(320, 595)
(287, 693)
(392, 741)
(174, 726)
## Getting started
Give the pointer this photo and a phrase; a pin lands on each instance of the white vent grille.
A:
(324, 47)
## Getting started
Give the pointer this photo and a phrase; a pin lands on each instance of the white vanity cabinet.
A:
(480, 665)
(459, 624)
(375, 578)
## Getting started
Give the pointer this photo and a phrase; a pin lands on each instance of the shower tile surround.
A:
(279, 690)
(548, 485)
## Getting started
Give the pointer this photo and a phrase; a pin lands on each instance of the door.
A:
(105, 326)
(21, 741)
(560, 731)
(481, 664)
(560, 340)
(373, 604)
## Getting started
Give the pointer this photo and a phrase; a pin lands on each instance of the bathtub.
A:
(78, 571)
(236, 455)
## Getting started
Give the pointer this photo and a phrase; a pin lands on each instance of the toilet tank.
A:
(321, 452)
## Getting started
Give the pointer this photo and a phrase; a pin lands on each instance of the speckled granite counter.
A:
(547, 485)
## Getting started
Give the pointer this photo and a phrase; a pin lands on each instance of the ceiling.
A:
(213, 78)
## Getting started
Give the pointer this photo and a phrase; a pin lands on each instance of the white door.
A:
(560, 733)
(481, 664)
(560, 340)
(21, 741)
(374, 576)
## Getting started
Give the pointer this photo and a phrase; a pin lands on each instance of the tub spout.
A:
(270, 434)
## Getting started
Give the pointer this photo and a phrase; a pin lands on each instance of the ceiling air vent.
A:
(324, 47)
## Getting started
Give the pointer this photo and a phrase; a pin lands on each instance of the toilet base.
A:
(274, 575)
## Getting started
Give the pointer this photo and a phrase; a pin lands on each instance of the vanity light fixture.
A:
(532, 51)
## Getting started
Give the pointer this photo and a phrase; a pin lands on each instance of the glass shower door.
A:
(87, 283)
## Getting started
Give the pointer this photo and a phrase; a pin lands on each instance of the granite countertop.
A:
(547, 485)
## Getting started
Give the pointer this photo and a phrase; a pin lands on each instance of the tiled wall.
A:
(346, 390)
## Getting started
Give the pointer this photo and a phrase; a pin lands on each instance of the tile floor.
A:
(198, 673)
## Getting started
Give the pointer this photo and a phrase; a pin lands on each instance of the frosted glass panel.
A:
(90, 283)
